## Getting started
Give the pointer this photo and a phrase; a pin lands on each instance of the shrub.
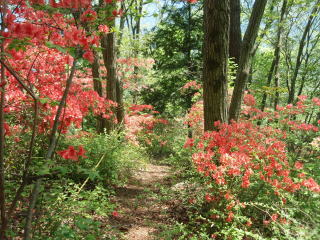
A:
(257, 173)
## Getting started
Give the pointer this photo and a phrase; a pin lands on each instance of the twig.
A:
(34, 197)
(95, 167)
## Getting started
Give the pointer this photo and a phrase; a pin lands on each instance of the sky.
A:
(150, 21)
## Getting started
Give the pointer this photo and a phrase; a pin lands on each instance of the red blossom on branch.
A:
(72, 154)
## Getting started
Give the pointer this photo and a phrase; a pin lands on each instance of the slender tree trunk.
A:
(266, 28)
(97, 86)
(276, 58)
(119, 83)
(119, 97)
(278, 51)
(270, 74)
(3, 217)
(215, 61)
(52, 145)
(244, 65)
(314, 11)
(277, 86)
(33, 201)
(136, 37)
(109, 56)
(52, 139)
(32, 140)
(121, 28)
(235, 31)
(2, 160)
(188, 50)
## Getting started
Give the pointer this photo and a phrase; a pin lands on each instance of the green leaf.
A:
(44, 170)
(50, 44)
(20, 44)
(44, 100)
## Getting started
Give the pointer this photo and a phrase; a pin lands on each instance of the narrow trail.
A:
(140, 211)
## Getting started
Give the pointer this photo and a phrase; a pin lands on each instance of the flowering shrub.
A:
(127, 71)
(195, 118)
(251, 172)
(72, 154)
(140, 123)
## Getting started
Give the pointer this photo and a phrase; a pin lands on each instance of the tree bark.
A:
(3, 216)
(215, 61)
(108, 43)
(245, 56)
(2, 140)
(235, 31)
(97, 86)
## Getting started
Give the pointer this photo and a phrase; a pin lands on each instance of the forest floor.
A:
(141, 209)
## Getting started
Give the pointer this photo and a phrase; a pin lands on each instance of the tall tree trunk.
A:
(97, 86)
(235, 31)
(50, 151)
(2, 139)
(270, 74)
(136, 37)
(244, 65)
(276, 58)
(119, 97)
(277, 52)
(292, 89)
(119, 83)
(109, 56)
(215, 61)
(266, 28)
(188, 44)
(3, 217)
(121, 28)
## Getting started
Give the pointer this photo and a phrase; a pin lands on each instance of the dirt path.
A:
(140, 211)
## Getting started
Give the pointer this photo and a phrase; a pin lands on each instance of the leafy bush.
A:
(109, 158)
(256, 179)
(73, 213)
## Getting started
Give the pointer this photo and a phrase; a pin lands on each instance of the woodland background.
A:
(226, 93)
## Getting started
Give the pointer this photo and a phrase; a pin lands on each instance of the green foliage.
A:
(176, 48)
(73, 213)
(20, 44)
(110, 159)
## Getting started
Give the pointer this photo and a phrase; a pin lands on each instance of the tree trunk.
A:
(119, 83)
(136, 38)
(277, 52)
(3, 217)
(121, 27)
(276, 58)
(266, 28)
(109, 57)
(270, 74)
(215, 61)
(2, 139)
(300, 52)
(235, 31)
(97, 86)
(190, 66)
(244, 65)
